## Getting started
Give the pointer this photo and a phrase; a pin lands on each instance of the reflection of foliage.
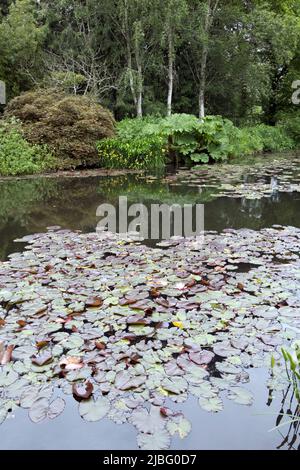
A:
(289, 415)
(17, 200)
(17, 197)
(137, 189)
(290, 428)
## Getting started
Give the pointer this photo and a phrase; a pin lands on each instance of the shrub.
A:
(69, 125)
(184, 135)
(17, 156)
(136, 153)
(270, 138)
(143, 143)
(291, 125)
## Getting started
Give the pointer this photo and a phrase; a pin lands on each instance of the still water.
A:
(31, 205)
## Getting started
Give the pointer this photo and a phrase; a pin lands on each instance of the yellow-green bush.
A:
(138, 153)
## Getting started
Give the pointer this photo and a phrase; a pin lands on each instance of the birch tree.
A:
(136, 30)
(173, 14)
(202, 14)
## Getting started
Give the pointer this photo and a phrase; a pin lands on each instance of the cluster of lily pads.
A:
(247, 180)
(128, 329)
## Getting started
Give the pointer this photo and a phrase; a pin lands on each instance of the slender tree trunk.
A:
(212, 6)
(139, 102)
(202, 83)
(170, 73)
(129, 54)
(139, 105)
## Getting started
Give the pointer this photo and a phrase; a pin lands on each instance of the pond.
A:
(254, 195)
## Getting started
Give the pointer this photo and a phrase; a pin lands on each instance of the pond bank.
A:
(71, 174)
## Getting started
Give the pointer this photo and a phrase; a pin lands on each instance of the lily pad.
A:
(93, 410)
(212, 404)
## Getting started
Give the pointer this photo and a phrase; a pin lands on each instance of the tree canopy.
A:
(228, 57)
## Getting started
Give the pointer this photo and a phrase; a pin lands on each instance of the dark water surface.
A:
(29, 206)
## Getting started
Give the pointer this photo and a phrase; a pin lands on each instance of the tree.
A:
(21, 39)
(275, 34)
(202, 15)
(172, 14)
(83, 47)
(135, 26)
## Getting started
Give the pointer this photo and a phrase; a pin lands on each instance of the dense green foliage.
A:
(142, 56)
(269, 138)
(147, 143)
(17, 156)
(180, 58)
(69, 125)
(291, 125)
(138, 153)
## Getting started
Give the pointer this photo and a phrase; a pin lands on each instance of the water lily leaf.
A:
(7, 377)
(71, 363)
(82, 391)
(227, 368)
(180, 425)
(160, 440)
(125, 381)
(224, 349)
(42, 359)
(94, 410)
(213, 404)
(56, 408)
(148, 422)
(94, 302)
(33, 393)
(176, 385)
(73, 341)
(201, 357)
(203, 389)
(41, 408)
(6, 354)
(42, 344)
(79, 374)
(17, 388)
(240, 395)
